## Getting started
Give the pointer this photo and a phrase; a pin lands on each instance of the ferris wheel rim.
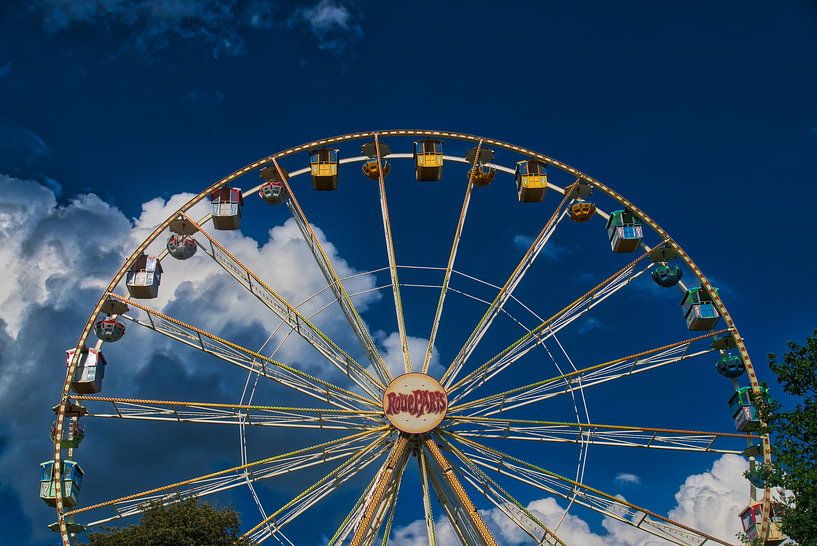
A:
(596, 184)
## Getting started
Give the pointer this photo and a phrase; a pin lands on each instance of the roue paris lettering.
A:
(415, 403)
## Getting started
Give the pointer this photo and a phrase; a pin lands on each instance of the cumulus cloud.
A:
(334, 23)
(393, 354)
(709, 502)
(627, 478)
(59, 257)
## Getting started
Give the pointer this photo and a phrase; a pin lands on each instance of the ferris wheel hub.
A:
(415, 403)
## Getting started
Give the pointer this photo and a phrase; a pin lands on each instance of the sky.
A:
(113, 114)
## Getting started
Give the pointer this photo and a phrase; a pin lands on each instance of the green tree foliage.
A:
(794, 440)
(186, 523)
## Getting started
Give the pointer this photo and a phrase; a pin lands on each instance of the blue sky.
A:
(704, 115)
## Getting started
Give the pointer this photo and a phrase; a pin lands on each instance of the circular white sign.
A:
(415, 403)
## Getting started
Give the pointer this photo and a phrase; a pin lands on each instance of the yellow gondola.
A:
(531, 181)
(323, 163)
(428, 159)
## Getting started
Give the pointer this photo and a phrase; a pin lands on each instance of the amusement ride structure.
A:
(455, 424)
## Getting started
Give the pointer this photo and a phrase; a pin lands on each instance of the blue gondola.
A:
(71, 475)
(730, 366)
(667, 276)
(624, 231)
(699, 310)
(744, 411)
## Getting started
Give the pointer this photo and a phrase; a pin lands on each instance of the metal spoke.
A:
(505, 502)
(395, 282)
(272, 524)
(234, 414)
(290, 315)
(335, 284)
(229, 478)
(354, 516)
(245, 358)
(548, 328)
(505, 292)
(587, 377)
(429, 516)
(451, 257)
(458, 505)
(595, 499)
(596, 434)
(376, 505)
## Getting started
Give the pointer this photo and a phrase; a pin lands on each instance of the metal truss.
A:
(335, 284)
(235, 414)
(245, 358)
(290, 315)
(505, 293)
(585, 377)
(589, 497)
(272, 524)
(395, 282)
(432, 337)
(222, 480)
(598, 434)
(548, 328)
(499, 497)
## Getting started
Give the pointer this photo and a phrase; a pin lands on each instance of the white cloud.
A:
(151, 24)
(627, 478)
(333, 22)
(59, 257)
(393, 354)
(589, 324)
(709, 502)
(551, 250)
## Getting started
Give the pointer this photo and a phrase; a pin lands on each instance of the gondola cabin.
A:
(624, 231)
(750, 520)
(744, 411)
(90, 371)
(372, 171)
(483, 175)
(181, 247)
(667, 276)
(273, 193)
(428, 160)
(323, 164)
(482, 172)
(109, 329)
(730, 366)
(699, 310)
(273, 190)
(226, 205)
(531, 181)
(71, 475)
(580, 211)
(76, 432)
(144, 277)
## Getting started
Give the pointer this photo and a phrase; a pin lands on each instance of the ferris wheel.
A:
(459, 421)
